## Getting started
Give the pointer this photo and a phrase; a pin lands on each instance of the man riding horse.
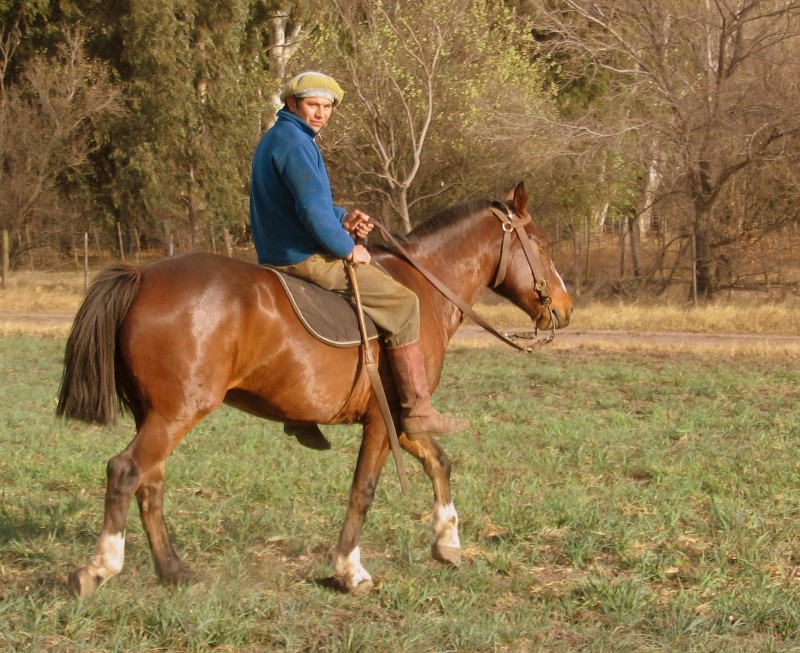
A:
(299, 230)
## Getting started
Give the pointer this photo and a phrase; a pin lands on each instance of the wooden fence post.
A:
(85, 261)
(30, 246)
(228, 245)
(119, 238)
(4, 280)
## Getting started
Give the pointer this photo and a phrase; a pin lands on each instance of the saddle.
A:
(326, 315)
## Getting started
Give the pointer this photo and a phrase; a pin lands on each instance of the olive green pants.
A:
(393, 307)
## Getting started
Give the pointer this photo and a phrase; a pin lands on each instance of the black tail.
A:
(88, 386)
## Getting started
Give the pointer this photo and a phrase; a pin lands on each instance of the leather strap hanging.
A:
(375, 379)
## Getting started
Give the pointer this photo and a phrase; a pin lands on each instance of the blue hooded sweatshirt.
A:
(292, 214)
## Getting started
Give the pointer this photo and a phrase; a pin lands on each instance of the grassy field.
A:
(609, 501)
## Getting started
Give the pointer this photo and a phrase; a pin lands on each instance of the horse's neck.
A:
(463, 257)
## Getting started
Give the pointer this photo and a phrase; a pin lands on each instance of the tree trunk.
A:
(645, 222)
(284, 40)
(634, 238)
(576, 261)
(119, 241)
(704, 278)
(401, 202)
(5, 267)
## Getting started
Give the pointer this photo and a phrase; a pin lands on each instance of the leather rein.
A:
(511, 223)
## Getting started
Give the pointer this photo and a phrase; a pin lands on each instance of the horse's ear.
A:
(520, 199)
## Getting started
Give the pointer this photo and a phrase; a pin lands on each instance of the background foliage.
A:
(659, 138)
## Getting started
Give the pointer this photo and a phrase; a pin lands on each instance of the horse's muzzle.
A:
(554, 318)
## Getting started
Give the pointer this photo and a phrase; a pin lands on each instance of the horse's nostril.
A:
(560, 318)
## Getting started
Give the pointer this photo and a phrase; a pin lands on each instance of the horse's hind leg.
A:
(135, 471)
(123, 479)
(150, 496)
(446, 546)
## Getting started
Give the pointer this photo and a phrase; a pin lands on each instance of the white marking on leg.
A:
(109, 556)
(445, 526)
(349, 570)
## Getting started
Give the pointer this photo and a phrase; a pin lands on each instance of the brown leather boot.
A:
(307, 434)
(418, 417)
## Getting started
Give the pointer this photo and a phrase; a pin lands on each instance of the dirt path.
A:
(574, 337)
(471, 335)
(54, 320)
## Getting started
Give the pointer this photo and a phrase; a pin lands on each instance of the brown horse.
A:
(174, 339)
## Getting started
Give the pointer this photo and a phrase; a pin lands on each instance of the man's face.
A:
(315, 111)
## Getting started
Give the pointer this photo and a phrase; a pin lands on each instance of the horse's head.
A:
(526, 274)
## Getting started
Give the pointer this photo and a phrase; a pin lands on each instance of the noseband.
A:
(511, 224)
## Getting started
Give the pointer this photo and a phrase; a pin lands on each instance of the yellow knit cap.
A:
(312, 84)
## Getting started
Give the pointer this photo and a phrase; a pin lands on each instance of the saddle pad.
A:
(326, 315)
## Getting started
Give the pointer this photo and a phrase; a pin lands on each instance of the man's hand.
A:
(359, 256)
(357, 223)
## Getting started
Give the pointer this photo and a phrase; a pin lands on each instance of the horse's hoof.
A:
(364, 588)
(82, 582)
(352, 586)
(180, 576)
(449, 555)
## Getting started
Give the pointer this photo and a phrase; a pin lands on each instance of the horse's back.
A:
(196, 298)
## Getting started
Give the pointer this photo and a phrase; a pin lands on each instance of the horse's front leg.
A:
(346, 555)
(446, 546)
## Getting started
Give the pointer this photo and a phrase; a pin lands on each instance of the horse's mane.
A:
(445, 219)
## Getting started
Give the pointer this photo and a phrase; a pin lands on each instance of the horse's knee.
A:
(123, 475)
(362, 493)
(434, 460)
(368, 493)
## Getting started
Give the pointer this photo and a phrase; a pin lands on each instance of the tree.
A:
(201, 81)
(704, 94)
(179, 162)
(49, 122)
(434, 93)
(289, 26)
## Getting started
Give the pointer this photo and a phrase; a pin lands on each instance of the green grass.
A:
(608, 501)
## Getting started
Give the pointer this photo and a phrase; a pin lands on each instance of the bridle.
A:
(515, 224)
(511, 223)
